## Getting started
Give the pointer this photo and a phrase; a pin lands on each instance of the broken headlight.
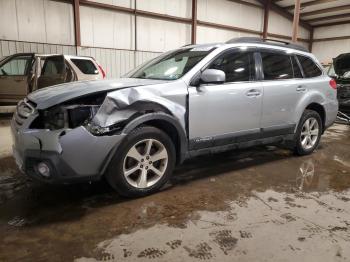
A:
(65, 116)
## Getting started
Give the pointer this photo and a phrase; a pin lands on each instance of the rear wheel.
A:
(309, 133)
(143, 163)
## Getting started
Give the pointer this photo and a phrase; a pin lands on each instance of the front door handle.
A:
(253, 93)
(301, 89)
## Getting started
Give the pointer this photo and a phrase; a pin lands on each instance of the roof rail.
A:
(266, 41)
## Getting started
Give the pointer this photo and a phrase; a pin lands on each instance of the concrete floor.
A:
(263, 204)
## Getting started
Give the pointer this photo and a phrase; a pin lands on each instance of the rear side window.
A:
(309, 67)
(87, 67)
(238, 66)
(53, 66)
(276, 66)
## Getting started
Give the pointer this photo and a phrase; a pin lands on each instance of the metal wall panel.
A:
(116, 62)
(281, 25)
(213, 35)
(182, 8)
(332, 31)
(327, 50)
(43, 21)
(230, 13)
(158, 35)
(105, 28)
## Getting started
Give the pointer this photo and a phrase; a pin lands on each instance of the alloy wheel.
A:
(145, 163)
(309, 133)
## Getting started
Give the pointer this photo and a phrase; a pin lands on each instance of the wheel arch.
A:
(320, 110)
(169, 125)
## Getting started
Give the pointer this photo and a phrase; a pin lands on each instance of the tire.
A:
(133, 173)
(306, 140)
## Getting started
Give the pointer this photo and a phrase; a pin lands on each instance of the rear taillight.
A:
(102, 71)
(333, 84)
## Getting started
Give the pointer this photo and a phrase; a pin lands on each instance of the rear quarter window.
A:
(309, 67)
(85, 66)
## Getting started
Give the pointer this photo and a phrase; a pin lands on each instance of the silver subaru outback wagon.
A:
(195, 100)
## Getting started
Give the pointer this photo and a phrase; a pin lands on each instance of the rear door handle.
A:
(253, 92)
(301, 89)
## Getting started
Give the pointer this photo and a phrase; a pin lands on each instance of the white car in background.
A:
(22, 73)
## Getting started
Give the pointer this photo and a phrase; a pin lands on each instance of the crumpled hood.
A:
(57, 94)
(342, 64)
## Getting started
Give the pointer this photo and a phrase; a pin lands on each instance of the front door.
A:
(229, 112)
(14, 78)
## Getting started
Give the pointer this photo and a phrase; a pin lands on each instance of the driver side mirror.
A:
(213, 76)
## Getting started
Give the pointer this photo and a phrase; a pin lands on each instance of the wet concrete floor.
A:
(262, 204)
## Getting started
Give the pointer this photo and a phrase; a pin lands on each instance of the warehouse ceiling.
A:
(320, 12)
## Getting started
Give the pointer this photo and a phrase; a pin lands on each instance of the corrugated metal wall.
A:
(8, 47)
(109, 36)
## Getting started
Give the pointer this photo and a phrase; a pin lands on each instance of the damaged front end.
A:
(75, 140)
(59, 139)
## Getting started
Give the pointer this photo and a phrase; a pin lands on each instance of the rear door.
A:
(283, 86)
(14, 73)
(54, 72)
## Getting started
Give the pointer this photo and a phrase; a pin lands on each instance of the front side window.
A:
(173, 65)
(309, 67)
(276, 66)
(238, 66)
(17, 66)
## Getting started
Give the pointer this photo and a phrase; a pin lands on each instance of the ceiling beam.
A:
(266, 18)
(333, 23)
(296, 21)
(194, 22)
(326, 10)
(285, 13)
(311, 3)
(325, 18)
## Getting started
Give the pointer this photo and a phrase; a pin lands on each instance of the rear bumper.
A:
(72, 155)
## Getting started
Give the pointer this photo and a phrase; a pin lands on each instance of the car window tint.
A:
(16, 66)
(276, 66)
(53, 66)
(309, 67)
(296, 68)
(85, 66)
(238, 66)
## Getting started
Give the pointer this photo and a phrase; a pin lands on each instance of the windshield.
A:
(173, 65)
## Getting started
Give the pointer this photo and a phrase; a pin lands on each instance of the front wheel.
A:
(309, 133)
(143, 163)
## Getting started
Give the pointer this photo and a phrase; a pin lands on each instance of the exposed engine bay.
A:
(71, 114)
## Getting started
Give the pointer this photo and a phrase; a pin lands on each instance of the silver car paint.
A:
(204, 121)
